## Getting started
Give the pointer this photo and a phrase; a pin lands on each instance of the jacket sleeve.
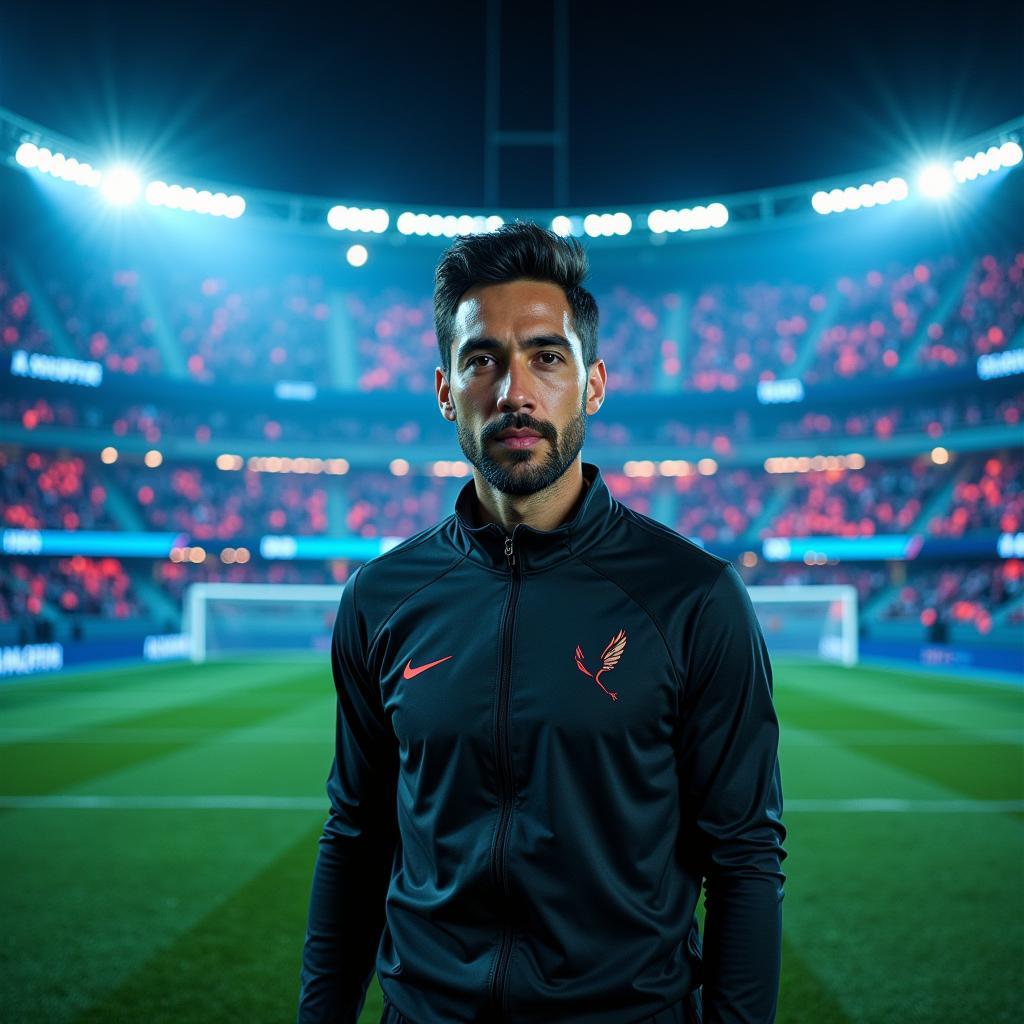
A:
(355, 850)
(731, 795)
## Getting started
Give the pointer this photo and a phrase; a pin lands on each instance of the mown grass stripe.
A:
(976, 768)
(239, 962)
(39, 766)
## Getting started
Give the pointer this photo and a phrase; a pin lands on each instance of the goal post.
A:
(811, 620)
(223, 619)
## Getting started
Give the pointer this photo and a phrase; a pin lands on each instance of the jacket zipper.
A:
(504, 760)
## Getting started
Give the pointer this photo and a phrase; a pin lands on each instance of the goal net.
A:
(816, 621)
(224, 619)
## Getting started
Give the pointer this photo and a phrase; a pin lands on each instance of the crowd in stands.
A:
(717, 432)
(75, 586)
(968, 593)
(868, 579)
(740, 334)
(174, 577)
(19, 329)
(238, 328)
(883, 497)
(991, 498)
(42, 491)
(877, 319)
(988, 317)
(212, 505)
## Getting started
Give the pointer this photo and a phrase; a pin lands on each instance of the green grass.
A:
(914, 913)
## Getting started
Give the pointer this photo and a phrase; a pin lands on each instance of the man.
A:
(554, 716)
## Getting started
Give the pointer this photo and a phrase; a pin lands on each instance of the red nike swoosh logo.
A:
(410, 671)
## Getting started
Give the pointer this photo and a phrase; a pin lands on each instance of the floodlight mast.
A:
(496, 139)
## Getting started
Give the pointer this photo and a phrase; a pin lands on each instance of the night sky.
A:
(386, 101)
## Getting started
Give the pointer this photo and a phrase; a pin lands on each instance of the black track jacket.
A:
(545, 742)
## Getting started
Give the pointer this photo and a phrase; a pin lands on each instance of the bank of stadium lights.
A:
(813, 463)
(438, 226)
(191, 200)
(858, 197)
(995, 158)
(285, 464)
(120, 185)
(195, 555)
(670, 467)
(66, 168)
(351, 218)
(698, 218)
(598, 225)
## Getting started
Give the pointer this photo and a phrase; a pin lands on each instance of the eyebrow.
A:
(490, 344)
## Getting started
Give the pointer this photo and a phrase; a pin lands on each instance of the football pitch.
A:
(158, 828)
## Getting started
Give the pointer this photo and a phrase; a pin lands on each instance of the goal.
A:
(225, 619)
(810, 620)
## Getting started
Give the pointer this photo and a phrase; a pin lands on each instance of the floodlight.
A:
(561, 225)
(27, 154)
(935, 181)
(821, 203)
(718, 215)
(121, 185)
(357, 255)
(1011, 153)
(234, 207)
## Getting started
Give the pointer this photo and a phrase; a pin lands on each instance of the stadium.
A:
(217, 403)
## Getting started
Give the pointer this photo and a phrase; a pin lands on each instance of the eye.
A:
(475, 358)
(557, 358)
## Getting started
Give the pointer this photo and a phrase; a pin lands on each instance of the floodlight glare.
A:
(234, 207)
(27, 154)
(935, 181)
(121, 185)
(357, 255)
(561, 225)
(1011, 154)
(718, 215)
(822, 203)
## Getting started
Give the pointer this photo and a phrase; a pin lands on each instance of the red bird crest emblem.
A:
(609, 659)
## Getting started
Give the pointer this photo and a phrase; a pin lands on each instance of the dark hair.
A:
(519, 250)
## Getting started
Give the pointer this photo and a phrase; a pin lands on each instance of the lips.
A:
(524, 432)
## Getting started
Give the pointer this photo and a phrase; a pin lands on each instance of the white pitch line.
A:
(145, 803)
(887, 805)
(868, 805)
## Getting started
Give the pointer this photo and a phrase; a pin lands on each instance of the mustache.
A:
(544, 429)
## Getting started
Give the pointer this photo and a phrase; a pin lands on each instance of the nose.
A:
(515, 392)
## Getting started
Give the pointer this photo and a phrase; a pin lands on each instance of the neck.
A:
(543, 510)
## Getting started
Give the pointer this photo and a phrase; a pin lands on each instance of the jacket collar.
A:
(534, 550)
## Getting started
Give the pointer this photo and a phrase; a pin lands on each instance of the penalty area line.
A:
(74, 801)
(888, 805)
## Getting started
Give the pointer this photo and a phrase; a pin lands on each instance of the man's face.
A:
(516, 362)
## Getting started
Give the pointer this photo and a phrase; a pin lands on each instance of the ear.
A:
(444, 394)
(596, 379)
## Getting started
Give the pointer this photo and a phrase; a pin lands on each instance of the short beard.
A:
(527, 474)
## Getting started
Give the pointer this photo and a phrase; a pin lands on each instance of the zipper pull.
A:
(508, 552)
